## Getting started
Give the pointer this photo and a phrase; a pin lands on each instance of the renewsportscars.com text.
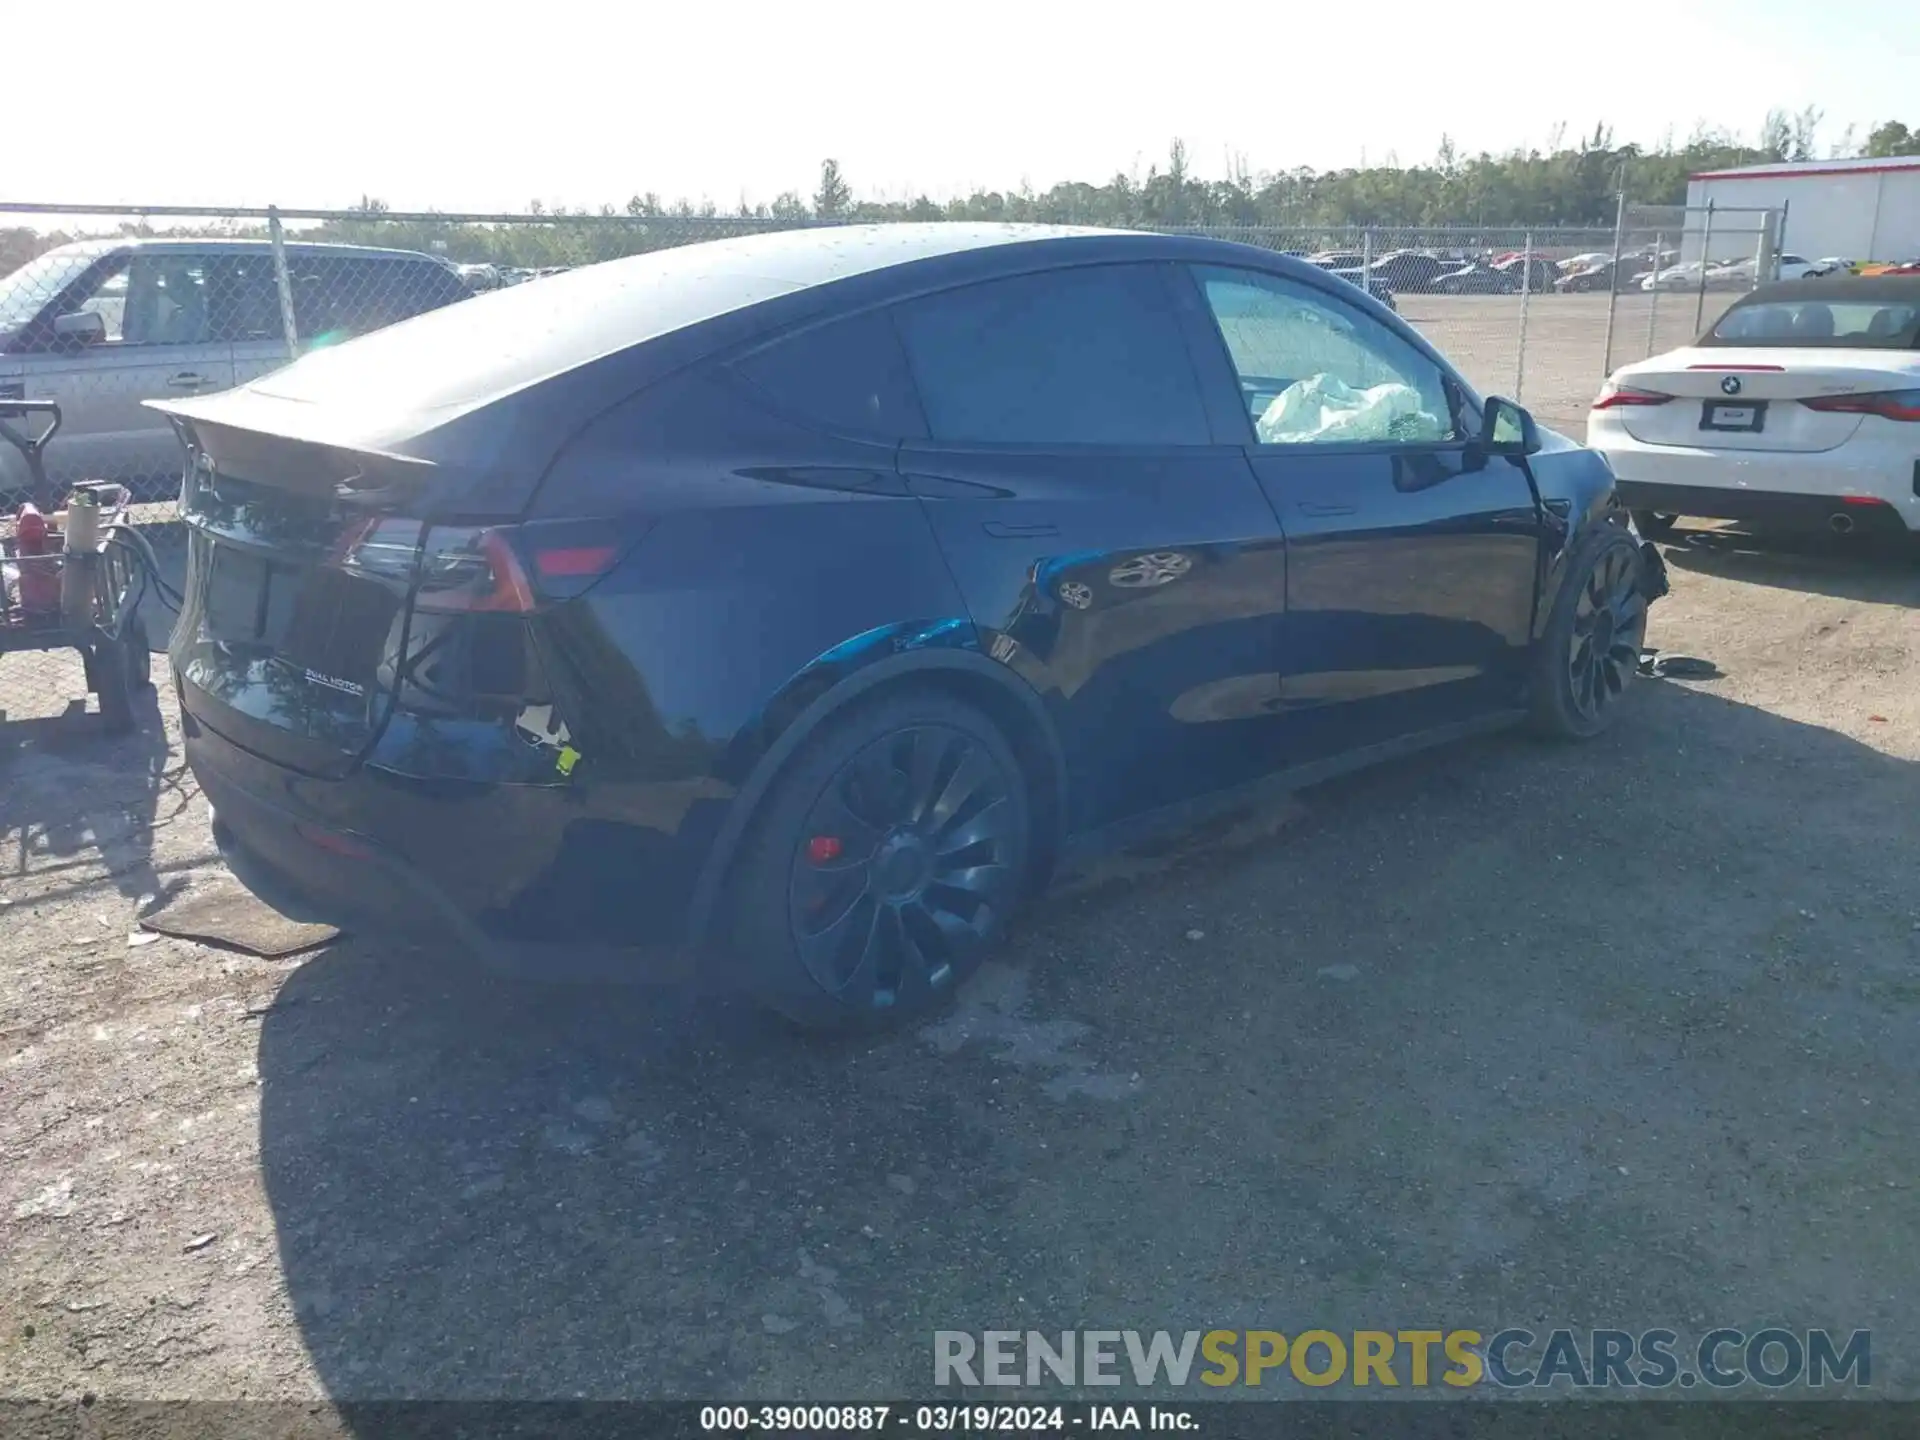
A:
(1724, 1358)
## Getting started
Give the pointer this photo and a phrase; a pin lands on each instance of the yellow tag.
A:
(566, 760)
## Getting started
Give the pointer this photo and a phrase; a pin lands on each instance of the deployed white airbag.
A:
(1327, 411)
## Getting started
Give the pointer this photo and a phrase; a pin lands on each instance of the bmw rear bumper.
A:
(1784, 488)
(1777, 509)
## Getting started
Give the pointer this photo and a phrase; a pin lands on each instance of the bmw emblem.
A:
(1730, 385)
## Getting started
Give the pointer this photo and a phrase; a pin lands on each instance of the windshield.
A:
(1857, 324)
(26, 290)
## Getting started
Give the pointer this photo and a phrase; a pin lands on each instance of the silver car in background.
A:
(103, 325)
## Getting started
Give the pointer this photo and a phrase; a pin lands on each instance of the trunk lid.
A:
(302, 562)
(1729, 398)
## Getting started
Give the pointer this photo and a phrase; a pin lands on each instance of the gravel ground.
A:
(1619, 1034)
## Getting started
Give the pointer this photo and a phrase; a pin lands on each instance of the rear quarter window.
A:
(848, 376)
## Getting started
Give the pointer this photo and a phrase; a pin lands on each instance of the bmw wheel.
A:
(884, 864)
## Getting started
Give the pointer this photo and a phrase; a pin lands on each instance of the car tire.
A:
(1654, 524)
(883, 864)
(1586, 658)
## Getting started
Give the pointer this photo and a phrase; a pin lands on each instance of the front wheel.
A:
(883, 865)
(1590, 651)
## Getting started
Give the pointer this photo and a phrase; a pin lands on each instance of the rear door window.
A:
(848, 376)
(1090, 356)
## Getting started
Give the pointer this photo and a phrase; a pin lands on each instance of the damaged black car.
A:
(785, 610)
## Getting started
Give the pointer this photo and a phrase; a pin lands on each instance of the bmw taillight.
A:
(1613, 396)
(1887, 404)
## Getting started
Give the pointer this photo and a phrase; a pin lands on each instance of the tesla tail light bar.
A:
(1887, 404)
(1613, 397)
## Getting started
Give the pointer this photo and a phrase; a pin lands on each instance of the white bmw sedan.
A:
(1800, 407)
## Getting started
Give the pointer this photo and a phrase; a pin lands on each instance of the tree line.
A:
(1559, 185)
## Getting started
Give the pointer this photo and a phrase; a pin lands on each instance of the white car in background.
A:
(1739, 273)
(1676, 277)
(1799, 408)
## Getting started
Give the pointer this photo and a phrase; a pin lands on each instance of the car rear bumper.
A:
(1777, 487)
(315, 868)
(1765, 507)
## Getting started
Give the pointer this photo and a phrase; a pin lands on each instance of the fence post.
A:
(1613, 284)
(1366, 260)
(1653, 302)
(1526, 295)
(1706, 248)
(281, 281)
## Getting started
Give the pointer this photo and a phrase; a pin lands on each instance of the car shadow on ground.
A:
(1881, 571)
(1509, 1032)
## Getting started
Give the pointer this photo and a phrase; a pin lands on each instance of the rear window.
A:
(1091, 356)
(1872, 324)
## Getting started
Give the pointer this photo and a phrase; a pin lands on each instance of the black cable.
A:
(142, 550)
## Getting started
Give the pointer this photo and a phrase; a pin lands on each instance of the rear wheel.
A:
(884, 864)
(1590, 651)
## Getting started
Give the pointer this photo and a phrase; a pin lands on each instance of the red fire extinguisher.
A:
(39, 579)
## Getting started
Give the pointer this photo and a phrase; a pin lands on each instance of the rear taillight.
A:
(472, 571)
(513, 569)
(1614, 396)
(1887, 404)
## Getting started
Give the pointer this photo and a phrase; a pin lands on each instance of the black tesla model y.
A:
(788, 607)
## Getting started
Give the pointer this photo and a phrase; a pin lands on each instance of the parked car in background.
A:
(1372, 284)
(1544, 273)
(1599, 277)
(1799, 407)
(1409, 272)
(1738, 274)
(101, 326)
(1676, 277)
(792, 604)
(1476, 280)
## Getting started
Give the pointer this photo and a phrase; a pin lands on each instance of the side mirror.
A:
(1506, 429)
(83, 327)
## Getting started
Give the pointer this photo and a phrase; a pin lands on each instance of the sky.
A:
(467, 107)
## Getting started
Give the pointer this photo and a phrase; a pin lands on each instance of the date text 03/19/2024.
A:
(943, 1419)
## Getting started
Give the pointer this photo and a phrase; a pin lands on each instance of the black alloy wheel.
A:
(901, 868)
(886, 864)
(1587, 656)
(1609, 623)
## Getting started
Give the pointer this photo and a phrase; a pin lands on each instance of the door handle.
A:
(187, 380)
(1003, 530)
(1308, 507)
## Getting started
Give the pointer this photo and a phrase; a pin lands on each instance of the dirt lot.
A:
(1612, 1035)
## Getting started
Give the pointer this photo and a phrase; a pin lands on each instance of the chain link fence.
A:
(103, 310)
